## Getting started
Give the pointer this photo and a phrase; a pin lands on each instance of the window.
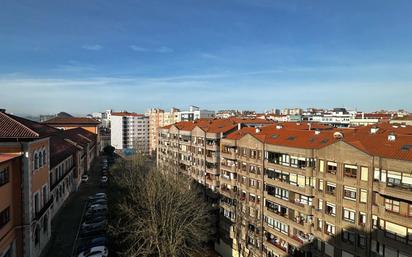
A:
(350, 171)
(321, 166)
(36, 203)
(348, 237)
(332, 167)
(4, 217)
(37, 235)
(363, 196)
(349, 193)
(330, 229)
(364, 173)
(362, 241)
(4, 176)
(320, 204)
(44, 157)
(330, 209)
(36, 161)
(40, 159)
(320, 185)
(362, 218)
(392, 205)
(320, 224)
(349, 215)
(330, 188)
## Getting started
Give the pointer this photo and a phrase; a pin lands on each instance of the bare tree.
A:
(157, 212)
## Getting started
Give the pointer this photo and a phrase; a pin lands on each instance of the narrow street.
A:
(66, 223)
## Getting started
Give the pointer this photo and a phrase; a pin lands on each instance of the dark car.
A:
(98, 196)
(101, 201)
(98, 241)
(96, 210)
(95, 229)
(94, 219)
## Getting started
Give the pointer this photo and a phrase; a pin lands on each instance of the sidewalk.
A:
(66, 222)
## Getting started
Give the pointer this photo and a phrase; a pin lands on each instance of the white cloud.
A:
(138, 48)
(93, 47)
(164, 49)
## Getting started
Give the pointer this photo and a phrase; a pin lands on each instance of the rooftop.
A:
(72, 120)
(16, 127)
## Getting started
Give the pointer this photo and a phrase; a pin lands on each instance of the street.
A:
(66, 222)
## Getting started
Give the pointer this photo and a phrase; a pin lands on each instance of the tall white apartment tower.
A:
(130, 131)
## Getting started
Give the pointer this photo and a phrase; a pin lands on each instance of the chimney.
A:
(317, 132)
(257, 130)
(374, 130)
(391, 137)
(3, 110)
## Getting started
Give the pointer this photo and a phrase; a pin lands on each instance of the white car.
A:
(98, 251)
(85, 178)
(104, 179)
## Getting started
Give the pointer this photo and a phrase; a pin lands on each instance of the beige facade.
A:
(159, 118)
(291, 192)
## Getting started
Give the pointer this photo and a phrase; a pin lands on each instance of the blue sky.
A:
(83, 56)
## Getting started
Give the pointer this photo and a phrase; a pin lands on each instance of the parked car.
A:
(96, 211)
(94, 219)
(98, 241)
(103, 179)
(98, 251)
(101, 201)
(98, 196)
(94, 223)
(93, 229)
(85, 178)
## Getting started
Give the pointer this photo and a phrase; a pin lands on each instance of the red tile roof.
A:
(60, 149)
(4, 157)
(71, 120)
(16, 127)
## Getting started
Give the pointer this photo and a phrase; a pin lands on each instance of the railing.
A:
(62, 177)
(44, 209)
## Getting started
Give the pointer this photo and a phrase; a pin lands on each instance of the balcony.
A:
(211, 170)
(295, 205)
(212, 158)
(391, 216)
(228, 155)
(212, 147)
(231, 168)
(39, 214)
(307, 190)
(403, 191)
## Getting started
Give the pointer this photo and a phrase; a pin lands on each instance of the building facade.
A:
(130, 131)
(294, 190)
(10, 205)
(44, 164)
(159, 118)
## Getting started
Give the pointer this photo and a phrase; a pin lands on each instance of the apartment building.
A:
(195, 113)
(159, 118)
(130, 131)
(10, 205)
(194, 146)
(43, 167)
(69, 123)
(296, 189)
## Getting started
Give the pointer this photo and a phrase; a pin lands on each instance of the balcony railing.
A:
(44, 209)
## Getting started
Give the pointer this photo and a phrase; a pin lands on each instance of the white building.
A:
(338, 117)
(195, 113)
(130, 131)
